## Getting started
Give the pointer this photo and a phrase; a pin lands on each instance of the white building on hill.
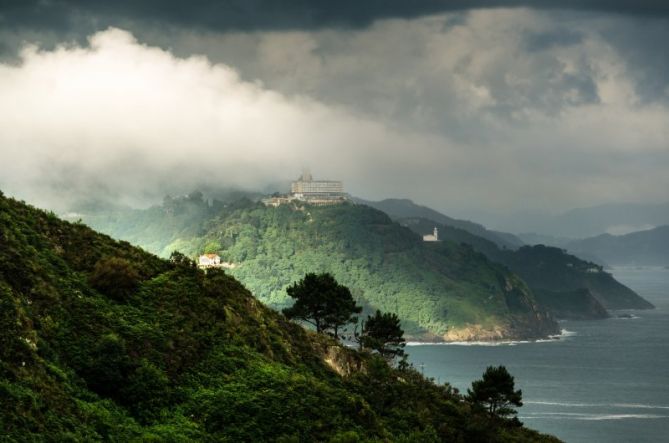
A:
(432, 237)
(308, 190)
(209, 260)
(317, 191)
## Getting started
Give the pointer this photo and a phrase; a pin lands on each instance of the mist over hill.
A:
(614, 219)
(643, 248)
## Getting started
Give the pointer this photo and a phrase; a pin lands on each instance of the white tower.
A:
(306, 175)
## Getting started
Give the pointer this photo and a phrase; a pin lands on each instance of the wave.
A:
(625, 317)
(588, 417)
(623, 416)
(564, 334)
(638, 406)
(593, 405)
(564, 404)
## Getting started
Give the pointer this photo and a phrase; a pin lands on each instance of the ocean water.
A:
(602, 381)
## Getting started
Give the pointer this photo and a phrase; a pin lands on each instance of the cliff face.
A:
(579, 304)
(102, 341)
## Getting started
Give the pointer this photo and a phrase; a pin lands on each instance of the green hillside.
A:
(448, 292)
(568, 286)
(103, 342)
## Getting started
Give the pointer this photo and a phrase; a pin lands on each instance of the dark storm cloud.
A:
(640, 42)
(66, 15)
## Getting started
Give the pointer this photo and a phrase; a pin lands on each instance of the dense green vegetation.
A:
(447, 291)
(177, 354)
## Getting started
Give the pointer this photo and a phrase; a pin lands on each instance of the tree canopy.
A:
(321, 301)
(383, 333)
(496, 392)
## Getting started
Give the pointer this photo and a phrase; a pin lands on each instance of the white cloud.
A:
(129, 119)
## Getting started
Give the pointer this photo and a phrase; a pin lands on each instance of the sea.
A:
(599, 381)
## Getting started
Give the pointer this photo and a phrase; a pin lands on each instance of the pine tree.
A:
(495, 392)
(383, 333)
(321, 301)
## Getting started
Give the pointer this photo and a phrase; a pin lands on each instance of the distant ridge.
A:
(642, 248)
(612, 218)
(398, 208)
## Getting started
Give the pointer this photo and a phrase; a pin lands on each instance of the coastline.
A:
(563, 335)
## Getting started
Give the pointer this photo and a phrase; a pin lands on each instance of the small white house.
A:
(432, 237)
(208, 260)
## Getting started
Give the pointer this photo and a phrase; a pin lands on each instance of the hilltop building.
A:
(307, 188)
(314, 192)
(432, 237)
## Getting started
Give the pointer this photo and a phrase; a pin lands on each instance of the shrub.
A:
(115, 277)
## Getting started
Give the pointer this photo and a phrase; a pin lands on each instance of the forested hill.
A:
(568, 286)
(101, 341)
(450, 292)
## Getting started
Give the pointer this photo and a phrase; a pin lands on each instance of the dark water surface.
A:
(604, 381)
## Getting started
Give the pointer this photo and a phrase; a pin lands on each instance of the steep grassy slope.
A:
(448, 292)
(568, 286)
(165, 352)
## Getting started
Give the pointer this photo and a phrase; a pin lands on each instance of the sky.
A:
(469, 107)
